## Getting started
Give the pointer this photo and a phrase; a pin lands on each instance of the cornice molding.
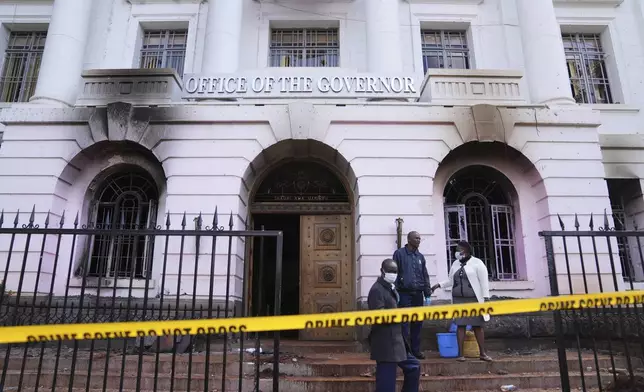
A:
(604, 3)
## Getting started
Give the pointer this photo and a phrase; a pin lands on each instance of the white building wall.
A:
(395, 150)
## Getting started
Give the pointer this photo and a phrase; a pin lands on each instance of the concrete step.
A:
(315, 347)
(536, 381)
(164, 382)
(352, 366)
(180, 382)
(323, 372)
(166, 363)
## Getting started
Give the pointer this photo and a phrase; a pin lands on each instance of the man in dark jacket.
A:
(413, 286)
(388, 346)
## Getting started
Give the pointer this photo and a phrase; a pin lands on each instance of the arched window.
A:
(124, 200)
(478, 209)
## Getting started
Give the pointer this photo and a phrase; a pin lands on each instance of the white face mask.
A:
(390, 277)
(457, 255)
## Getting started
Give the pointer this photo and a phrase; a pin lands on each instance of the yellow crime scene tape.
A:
(46, 333)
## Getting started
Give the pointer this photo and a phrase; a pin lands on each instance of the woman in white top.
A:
(468, 279)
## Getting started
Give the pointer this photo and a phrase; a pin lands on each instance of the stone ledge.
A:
(472, 86)
(148, 87)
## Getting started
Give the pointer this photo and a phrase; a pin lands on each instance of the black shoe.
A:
(419, 356)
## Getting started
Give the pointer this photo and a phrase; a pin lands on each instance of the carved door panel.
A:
(326, 273)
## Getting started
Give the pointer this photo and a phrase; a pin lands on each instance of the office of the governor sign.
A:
(299, 86)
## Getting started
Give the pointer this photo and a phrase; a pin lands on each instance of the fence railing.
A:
(61, 272)
(598, 259)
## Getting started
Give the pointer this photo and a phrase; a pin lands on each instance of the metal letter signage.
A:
(295, 84)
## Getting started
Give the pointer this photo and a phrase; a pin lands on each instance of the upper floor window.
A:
(21, 65)
(587, 68)
(445, 49)
(304, 48)
(164, 49)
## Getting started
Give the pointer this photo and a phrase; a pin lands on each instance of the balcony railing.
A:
(160, 86)
(473, 86)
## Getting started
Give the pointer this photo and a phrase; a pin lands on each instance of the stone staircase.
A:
(304, 366)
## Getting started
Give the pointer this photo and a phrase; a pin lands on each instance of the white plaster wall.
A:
(394, 150)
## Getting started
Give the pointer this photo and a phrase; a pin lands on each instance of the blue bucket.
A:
(447, 345)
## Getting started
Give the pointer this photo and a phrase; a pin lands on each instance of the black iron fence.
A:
(590, 260)
(59, 273)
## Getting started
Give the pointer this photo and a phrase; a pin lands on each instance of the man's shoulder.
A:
(375, 286)
(400, 251)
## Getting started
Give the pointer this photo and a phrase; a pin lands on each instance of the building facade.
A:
(483, 120)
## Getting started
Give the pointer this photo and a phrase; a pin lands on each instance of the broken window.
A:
(478, 209)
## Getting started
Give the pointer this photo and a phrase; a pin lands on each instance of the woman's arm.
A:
(482, 274)
(450, 278)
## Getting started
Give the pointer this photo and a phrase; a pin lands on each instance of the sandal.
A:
(485, 358)
(461, 359)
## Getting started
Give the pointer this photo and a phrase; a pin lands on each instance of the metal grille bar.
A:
(445, 49)
(21, 65)
(586, 68)
(164, 49)
(304, 48)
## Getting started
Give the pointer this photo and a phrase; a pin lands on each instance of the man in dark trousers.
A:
(413, 286)
(388, 346)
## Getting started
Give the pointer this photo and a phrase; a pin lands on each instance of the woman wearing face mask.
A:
(468, 279)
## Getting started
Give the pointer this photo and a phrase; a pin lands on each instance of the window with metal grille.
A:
(587, 68)
(621, 192)
(126, 201)
(445, 49)
(21, 65)
(304, 48)
(164, 49)
(478, 210)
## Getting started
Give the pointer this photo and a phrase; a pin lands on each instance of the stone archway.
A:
(303, 187)
(509, 190)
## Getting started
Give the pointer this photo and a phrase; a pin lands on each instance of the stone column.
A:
(62, 61)
(223, 32)
(383, 36)
(545, 60)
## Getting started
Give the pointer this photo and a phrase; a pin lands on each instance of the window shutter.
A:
(504, 242)
(455, 228)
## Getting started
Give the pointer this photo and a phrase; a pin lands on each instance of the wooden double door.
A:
(326, 271)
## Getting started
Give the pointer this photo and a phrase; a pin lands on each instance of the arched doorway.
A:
(310, 203)
(479, 209)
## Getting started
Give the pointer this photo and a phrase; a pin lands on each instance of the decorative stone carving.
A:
(327, 274)
(327, 236)
(120, 121)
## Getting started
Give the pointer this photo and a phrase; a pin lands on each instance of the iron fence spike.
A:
(635, 225)
(591, 223)
(167, 220)
(199, 220)
(606, 224)
(576, 222)
(230, 221)
(62, 220)
(561, 224)
(1, 217)
(47, 219)
(78, 218)
(32, 216)
(16, 219)
(183, 221)
(215, 219)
